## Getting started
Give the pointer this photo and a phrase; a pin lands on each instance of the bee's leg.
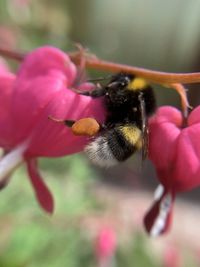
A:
(68, 123)
(84, 126)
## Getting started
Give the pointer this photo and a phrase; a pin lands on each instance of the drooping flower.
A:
(43, 87)
(175, 152)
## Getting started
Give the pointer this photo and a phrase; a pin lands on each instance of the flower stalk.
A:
(93, 62)
(185, 106)
(150, 75)
(166, 79)
(12, 54)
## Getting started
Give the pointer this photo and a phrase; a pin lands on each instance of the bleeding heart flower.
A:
(43, 87)
(175, 152)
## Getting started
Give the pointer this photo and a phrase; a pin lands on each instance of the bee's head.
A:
(120, 80)
(116, 88)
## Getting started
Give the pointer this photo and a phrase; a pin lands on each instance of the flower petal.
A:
(28, 105)
(194, 116)
(12, 160)
(44, 60)
(163, 135)
(53, 139)
(167, 114)
(6, 90)
(186, 171)
(158, 219)
(42, 193)
(43, 73)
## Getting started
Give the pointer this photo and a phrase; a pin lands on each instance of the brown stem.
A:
(150, 75)
(12, 54)
(184, 101)
(95, 63)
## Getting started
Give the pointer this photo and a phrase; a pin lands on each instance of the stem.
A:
(12, 54)
(95, 63)
(151, 75)
(184, 101)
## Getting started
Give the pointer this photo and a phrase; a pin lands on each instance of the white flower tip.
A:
(161, 220)
(12, 160)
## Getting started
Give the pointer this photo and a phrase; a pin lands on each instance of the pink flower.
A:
(105, 245)
(175, 152)
(43, 87)
(172, 257)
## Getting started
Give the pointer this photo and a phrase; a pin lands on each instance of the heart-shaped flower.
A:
(175, 152)
(43, 87)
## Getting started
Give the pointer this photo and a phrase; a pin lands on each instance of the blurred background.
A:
(92, 203)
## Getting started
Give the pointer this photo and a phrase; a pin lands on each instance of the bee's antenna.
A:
(100, 79)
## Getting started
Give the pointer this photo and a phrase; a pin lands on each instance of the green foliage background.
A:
(31, 238)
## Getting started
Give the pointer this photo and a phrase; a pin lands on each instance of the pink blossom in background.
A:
(175, 153)
(172, 257)
(43, 87)
(105, 246)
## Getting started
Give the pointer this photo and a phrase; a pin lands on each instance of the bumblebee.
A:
(129, 101)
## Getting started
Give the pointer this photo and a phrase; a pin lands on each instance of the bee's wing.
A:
(145, 133)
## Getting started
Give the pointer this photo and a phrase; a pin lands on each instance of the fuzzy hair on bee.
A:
(128, 101)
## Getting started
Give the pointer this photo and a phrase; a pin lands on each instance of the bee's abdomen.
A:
(114, 146)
